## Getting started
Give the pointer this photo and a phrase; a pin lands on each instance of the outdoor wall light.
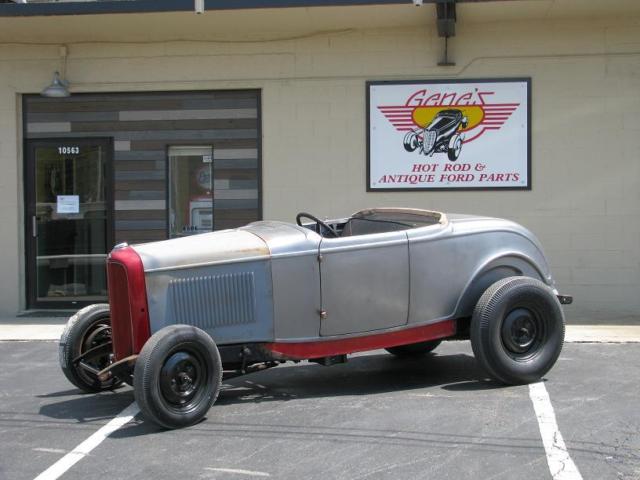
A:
(446, 25)
(59, 88)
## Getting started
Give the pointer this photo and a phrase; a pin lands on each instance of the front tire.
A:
(454, 148)
(411, 142)
(415, 349)
(89, 328)
(177, 376)
(517, 330)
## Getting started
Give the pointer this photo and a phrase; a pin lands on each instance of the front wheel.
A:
(454, 147)
(411, 142)
(85, 348)
(177, 376)
(517, 330)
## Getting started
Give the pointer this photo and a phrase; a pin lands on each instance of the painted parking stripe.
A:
(82, 450)
(251, 473)
(560, 464)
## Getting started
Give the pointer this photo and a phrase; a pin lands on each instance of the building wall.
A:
(585, 201)
(143, 126)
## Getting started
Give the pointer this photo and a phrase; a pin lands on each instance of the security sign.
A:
(449, 134)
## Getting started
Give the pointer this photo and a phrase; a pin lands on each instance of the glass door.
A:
(69, 221)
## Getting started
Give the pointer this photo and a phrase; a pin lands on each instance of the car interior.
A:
(370, 221)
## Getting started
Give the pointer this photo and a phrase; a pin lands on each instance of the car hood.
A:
(256, 241)
(201, 249)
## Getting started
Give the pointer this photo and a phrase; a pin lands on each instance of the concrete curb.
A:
(24, 331)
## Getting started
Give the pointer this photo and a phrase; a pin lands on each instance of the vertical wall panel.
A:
(143, 126)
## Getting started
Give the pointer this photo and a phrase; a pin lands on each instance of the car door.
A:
(364, 282)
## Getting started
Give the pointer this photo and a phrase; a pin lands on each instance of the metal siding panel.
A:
(184, 118)
(199, 114)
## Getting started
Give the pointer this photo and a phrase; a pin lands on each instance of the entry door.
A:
(364, 282)
(69, 221)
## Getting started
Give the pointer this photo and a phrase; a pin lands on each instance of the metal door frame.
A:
(30, 242)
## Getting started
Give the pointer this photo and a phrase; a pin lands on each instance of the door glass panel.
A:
(70, 222)
(190, 190)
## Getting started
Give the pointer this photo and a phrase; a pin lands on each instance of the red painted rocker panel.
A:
(327, 348)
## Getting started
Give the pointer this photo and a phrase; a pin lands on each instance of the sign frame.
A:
(371, 83)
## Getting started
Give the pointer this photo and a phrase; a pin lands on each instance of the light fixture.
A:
(446, 25)
(59, 88)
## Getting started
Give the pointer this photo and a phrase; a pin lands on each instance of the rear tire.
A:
(88, 328)
(517, 330)
(177, 376)
(414, 349)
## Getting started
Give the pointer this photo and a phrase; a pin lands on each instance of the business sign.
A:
(449, 134)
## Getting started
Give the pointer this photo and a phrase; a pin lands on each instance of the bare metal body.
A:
(184, 311)
(277, 278)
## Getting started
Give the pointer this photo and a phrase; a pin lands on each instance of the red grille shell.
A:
(128, 302)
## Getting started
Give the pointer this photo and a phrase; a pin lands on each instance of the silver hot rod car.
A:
(183, 312)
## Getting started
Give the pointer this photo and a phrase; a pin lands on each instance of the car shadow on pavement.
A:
(87, 407)
(361, 375)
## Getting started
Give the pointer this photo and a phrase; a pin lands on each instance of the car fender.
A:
(503, 265)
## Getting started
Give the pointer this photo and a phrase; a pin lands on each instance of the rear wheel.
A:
(415, 349)
(177, 376)
(517, 330)
(85, 348)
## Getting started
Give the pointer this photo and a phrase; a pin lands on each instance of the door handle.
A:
(34, 226)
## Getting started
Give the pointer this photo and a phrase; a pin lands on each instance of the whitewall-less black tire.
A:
(177, 376)
(517, 330)
(90, 327)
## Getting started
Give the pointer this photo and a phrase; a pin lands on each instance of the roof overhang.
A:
(149, 6)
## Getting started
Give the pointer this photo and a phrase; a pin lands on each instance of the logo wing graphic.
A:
(494, 116)
(400, 117)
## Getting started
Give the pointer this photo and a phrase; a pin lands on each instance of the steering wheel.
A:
(319, 223)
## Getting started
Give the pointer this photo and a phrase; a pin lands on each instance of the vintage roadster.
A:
(442, 135)
(182, 312)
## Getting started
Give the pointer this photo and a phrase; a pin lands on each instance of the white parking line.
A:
(239, 471)
(560, 464)
(82, 450)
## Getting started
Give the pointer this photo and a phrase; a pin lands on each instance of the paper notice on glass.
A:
(68, 204)
(206, 159)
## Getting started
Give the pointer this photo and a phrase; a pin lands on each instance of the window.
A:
(190, 190)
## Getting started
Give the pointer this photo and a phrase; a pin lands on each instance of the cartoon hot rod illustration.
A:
(441, 135)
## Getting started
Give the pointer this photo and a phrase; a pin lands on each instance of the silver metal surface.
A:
(231, 302)
(211, 301)
(365, 282)
(270, 280)
(200, 250)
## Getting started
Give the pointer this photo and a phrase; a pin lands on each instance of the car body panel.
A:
(272, 281)
(365, 282)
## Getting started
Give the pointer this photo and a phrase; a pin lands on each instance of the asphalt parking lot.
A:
(375, 417)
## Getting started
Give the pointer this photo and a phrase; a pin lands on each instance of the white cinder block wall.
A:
(585, 201)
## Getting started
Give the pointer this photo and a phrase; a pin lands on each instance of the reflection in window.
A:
(190, 190)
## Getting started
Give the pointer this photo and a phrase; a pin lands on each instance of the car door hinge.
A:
(320, 258)
(323, 314)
